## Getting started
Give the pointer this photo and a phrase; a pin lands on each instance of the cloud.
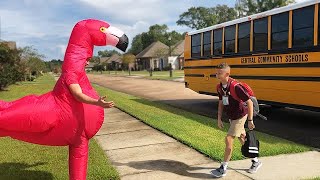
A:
(131, 11)
(46, 25)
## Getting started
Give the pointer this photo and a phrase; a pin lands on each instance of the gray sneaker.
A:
(220, 172)
(255, 166)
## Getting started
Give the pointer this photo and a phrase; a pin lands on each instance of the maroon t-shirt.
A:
(235, 109)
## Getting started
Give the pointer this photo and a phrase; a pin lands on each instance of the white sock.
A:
(255, 159)
(225, 165)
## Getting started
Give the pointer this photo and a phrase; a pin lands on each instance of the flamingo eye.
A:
(103, 29)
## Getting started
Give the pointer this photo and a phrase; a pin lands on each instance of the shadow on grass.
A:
(19, 171)
(171, 166)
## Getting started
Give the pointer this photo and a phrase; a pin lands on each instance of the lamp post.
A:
(170, 65)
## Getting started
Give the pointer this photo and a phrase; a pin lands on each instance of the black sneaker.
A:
(220, 172)
(255, 166)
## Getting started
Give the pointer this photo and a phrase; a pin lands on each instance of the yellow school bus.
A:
(275, 52)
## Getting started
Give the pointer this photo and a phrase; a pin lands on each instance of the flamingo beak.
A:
(115, 37)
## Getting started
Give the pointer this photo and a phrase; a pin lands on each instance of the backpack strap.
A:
(219, 89)
(233, 93)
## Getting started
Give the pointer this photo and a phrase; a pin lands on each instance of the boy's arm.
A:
(250, 109)
(220, 110)
(76, 91)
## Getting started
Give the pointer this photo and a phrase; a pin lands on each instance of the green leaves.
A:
(201, 17)
(10, 71)
(249, 7)
(156, 33)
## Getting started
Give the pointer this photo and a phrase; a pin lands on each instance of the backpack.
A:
(249, 91)
(250, 148)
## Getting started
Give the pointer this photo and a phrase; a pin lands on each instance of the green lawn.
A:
(316, 178)
(197, 131)
(20, 160)
(163, 75)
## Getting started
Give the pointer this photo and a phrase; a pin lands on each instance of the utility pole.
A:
(170, 65)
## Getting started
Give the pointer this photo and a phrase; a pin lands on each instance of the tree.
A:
(54, 65)
(249, 7)
(36, 66)
(175, 37)
(127, 59)
(196, 18)
(136, 45)
(107, 53)
(223, 13)
(201, 17)
(31, 61)
(10, 71)
(98, 67)
(156, 33)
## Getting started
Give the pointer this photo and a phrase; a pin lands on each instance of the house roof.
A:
(178, 48)
(104, 59)
(91, 65)
(115, 58)
(153, 49)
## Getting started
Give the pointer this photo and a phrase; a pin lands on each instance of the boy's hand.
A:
(251, 126)
(104, 104)
(220, 124)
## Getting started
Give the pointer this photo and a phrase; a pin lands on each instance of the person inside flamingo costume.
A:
(72, 113)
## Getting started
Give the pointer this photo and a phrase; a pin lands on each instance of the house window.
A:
(302, 27)
(196, 45)
(217, 37)
(279, 31)
(260, 34)
(244, 37)
(229, 40)
(207, 44)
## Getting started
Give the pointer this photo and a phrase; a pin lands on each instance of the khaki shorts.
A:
(237, 126)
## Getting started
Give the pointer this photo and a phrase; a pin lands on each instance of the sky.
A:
(46, 25)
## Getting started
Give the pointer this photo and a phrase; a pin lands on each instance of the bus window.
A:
(260, 34)
(229, 40)
(279, 31)
(302, 27)
(244, 37)
(196, 45)
(217, 37)
(207, 44)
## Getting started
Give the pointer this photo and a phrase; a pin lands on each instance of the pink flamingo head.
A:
(85, 35)
(103, 34)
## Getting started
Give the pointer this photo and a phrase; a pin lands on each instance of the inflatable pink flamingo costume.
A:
(57, 118)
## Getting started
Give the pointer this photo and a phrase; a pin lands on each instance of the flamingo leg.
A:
(78, 159)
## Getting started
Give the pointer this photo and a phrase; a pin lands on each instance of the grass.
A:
(198, 132)
(162, 75)
(20, 160)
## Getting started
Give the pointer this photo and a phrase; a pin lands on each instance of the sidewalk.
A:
(141, 152)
